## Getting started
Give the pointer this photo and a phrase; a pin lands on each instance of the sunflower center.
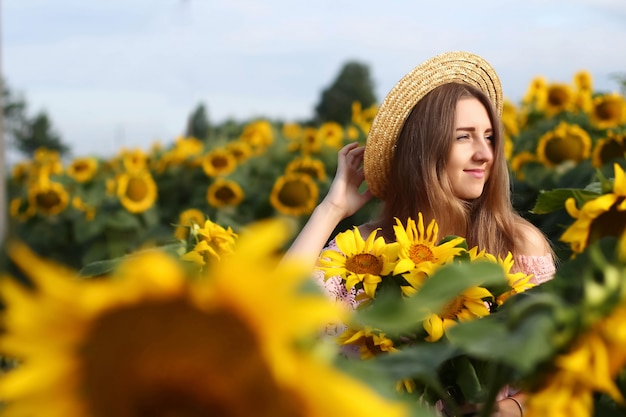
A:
(47, 200)
(421, 253)
(364, 263)
(568, 148)
(611, 150)
(609, 223)
(219, 162)
(81, 167)
(294, 194)
(453, 309)
(558, 96)
(136, 189)
(225, 194)
(607, 111)
(163, 359)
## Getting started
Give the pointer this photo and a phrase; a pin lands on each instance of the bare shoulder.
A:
(530, 241)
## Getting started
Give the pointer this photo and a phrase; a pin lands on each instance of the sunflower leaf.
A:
(553, 200)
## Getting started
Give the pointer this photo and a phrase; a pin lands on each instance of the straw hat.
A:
(463, 67)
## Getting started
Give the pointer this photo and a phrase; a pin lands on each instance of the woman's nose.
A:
(483, 150)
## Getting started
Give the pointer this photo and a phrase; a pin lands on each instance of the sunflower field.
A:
(183, 306)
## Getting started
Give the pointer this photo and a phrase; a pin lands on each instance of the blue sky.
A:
(128, 72)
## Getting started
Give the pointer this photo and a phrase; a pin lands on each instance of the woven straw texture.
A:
(464, 67)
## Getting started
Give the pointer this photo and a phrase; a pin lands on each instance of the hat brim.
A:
(463, 67)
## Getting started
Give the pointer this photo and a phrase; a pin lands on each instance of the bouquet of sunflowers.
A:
(410, 294)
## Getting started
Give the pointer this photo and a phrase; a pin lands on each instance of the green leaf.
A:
(394, 317)
(122, 219)
(553, 200)
(99, 268)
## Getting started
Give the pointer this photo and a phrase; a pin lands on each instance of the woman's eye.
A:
(466, 136)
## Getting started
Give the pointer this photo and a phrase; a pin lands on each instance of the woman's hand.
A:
(344, 195)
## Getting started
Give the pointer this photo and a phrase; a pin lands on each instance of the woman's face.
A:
(471, 156)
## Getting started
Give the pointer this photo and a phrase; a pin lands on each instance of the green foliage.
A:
(198, 125)
(352, 84)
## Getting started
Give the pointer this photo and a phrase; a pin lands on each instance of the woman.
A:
(435, 147)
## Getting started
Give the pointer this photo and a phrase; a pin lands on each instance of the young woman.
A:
(435, 147)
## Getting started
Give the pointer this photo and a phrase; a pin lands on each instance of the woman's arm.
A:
(343, 200)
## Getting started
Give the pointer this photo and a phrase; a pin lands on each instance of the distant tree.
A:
(198, 124)
(38, 133)
(24, 133)
(352, 84)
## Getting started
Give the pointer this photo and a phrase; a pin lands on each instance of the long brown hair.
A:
(418, 181)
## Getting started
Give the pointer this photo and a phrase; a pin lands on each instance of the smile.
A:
(475, 173)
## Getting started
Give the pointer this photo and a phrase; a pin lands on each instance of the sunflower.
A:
(371, 342)
(363, 117)
(294, 194)
(47, 162)
(518, 281)
(583, 80)
(608, 110)
(598, 218)
(20, 210)
(331, 135)
(559, 98)
(307, 165)
(21, 171)
(222, 193)
(608, 149)
(536, 94)
(469, 305)
(83, 169)
(519, 160)
(310, 141)
(419, 254)
(47, 197)
(137, 191)
(152, 341)
(258, 135)
(292, 131)
(213, 242)
(80, 205)
(186, 220)
(589, 366)
(566, 142)
(218, 162)
(133, 160)
(240, 150)
(360, 262)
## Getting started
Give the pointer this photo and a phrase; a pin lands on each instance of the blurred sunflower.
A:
(310, 142)
(186, 220)
(153, 342)
(608, 149)
(307, 165)
(133, 160)
(536, 94)
(419, 254)
(566, 142)
(510, 118)
(46, 162)
(590, 366)
(294, 194)
(597, 218)
(21, 171)
(519, 160)
(359, 261)
(47, 197)
(223, 192)
(259, 135)
(80, 205)
(20, 210)
(137, 191)
(518, 281)
(331, 134)
(371, 342)
(608, 110)
(83, 169)
(218, 162)
(469, 305)
(292, 131)
(583, 80)
(213, 242)
(240, 150)
(559, 98)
